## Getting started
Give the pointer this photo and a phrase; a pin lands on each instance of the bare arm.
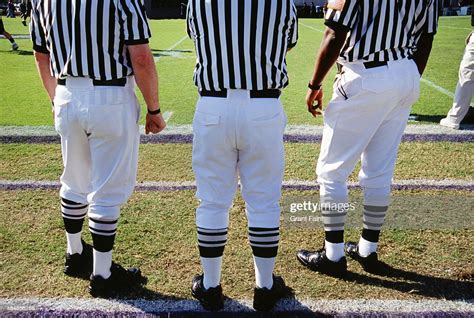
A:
(423, 51)
(147, 81)
(331, 46)
(43, 66)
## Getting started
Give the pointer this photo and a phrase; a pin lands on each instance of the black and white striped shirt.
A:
(242, 44)
(88, 38)
(382, 30)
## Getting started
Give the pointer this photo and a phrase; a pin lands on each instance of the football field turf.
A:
(23, 102)
(427, 239)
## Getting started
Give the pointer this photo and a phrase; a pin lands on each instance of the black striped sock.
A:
(373, 219)
(211, 242)
(73, 214)
(264, 241)
(103, 233)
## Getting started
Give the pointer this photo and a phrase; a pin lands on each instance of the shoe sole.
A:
(206, 305)
(337, 274)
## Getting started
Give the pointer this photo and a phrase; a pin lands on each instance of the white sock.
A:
(334, 251)
(264, 271)
(74, 243)
(366, 247)
(212, 267)
(102, 264)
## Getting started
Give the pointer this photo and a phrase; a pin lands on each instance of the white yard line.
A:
(437, 87)
(311, 27)
(157, 59)
(182, 185)
(167, 115)
(186, 129)
(329, 306)
(457, 28)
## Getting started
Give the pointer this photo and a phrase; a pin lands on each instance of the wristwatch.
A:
(314, 87)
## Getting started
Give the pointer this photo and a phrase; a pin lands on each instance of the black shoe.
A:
(211, 298)
(265, 299)
(120, 281)
(369, 263)
(79, 265)
(318, 262)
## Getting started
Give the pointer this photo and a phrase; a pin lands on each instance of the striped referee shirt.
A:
(241, 44)
(381, 30)
(88, 38)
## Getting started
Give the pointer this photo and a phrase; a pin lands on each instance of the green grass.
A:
(416, 160)
(156, 232)
(23, 101)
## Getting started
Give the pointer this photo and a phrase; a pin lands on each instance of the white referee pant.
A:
(99, 133)
(465, 86)
(238, 136)
(365, 120)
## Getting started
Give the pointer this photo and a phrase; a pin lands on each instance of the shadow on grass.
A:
(416, 284)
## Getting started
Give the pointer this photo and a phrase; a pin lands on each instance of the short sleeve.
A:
(134, 22)
(293, 36)
(432, 16)
(37, 31)
(342, 14)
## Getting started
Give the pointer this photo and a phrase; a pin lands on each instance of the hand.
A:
(313, 96)
(154, 124)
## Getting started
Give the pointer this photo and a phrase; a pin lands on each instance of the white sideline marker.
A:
(167, 115)
(328, 306)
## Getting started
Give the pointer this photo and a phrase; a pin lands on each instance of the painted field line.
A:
(191, 308)
(167, 115)
(458, 28)
(311, 27)
(437, 87)
(18, 36)
(301, 185)
(157, 59)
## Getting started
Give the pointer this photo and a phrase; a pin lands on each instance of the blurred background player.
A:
(7, 35)
(465, 86)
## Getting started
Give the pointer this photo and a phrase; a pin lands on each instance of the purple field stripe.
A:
(47, 185)
(187, 138)
(230, 314)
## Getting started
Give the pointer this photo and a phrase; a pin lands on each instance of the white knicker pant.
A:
(367, 125)
(465, 86)
(238, 136)
(99, 133)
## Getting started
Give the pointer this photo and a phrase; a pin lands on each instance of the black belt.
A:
(267, 93)
(374, 64)
(115, 82)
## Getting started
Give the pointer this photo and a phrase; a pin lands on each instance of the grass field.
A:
(427, 240)
(23, 101)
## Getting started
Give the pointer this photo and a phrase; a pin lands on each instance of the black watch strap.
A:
(154, 112)
(314, 87)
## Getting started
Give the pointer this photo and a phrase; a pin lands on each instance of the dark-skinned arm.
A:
(331, 46)
(423, 50)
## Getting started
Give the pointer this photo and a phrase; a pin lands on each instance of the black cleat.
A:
(370, 263)
(79, 265)
(318, 262)
(211, 299)
(265, 299)
(120, 281)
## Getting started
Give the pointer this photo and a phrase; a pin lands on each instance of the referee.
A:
(89, 55)
(238, 132)
(381, 48)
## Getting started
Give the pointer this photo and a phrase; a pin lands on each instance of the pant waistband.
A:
(114, 82)
(267, 93)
